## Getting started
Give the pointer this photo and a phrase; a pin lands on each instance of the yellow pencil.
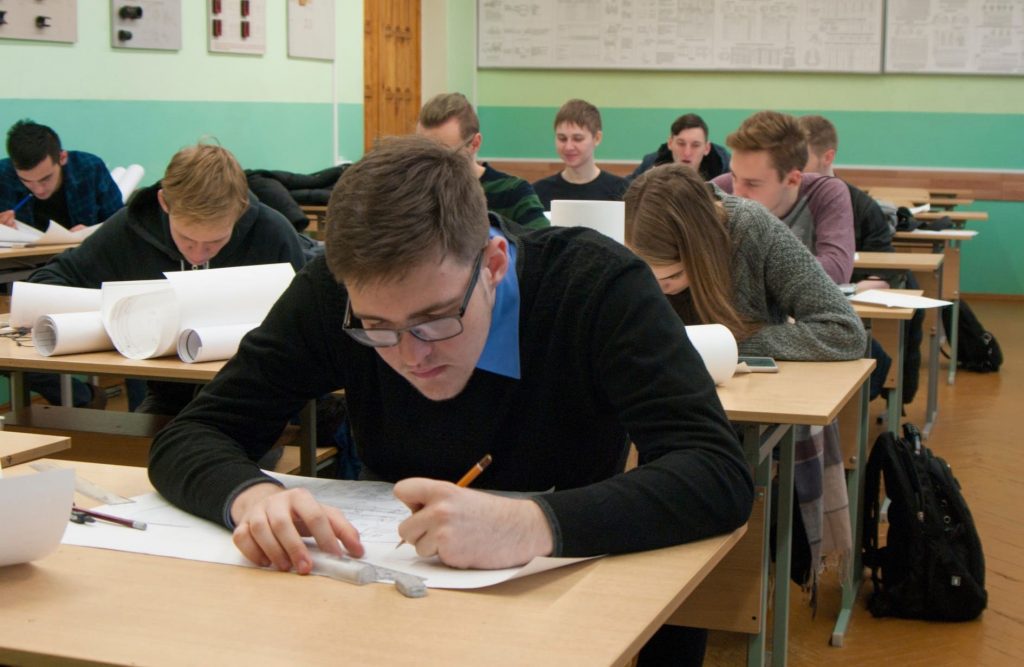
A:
(468, 478)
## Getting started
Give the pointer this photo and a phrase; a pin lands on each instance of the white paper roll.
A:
(607, 217)
(35, 510)
(129, 180)
(29, 301)
(70, 333)
(717, 347)
(212, 343)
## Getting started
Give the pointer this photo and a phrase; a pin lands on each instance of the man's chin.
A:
(441, 388)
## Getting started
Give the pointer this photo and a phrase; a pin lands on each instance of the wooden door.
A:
(391, 68)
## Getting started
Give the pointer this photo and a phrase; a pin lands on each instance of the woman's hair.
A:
(672, 217)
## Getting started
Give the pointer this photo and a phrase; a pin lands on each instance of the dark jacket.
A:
(715, 163)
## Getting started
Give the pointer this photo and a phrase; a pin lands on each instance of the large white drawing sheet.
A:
(148, 325)
(30, 301)
(55, 234)
(370, 506)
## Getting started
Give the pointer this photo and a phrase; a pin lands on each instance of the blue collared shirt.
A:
(501, 351)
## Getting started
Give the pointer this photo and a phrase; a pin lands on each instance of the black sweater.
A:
(135, 244)
(604, 360)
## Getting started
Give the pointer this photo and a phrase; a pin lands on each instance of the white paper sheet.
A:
(148, 325)
(212, 343)
(35, 510)
(896, 300)
(29, 301)
(950, 233)
(717, 348)
(70, 333)
(55, 234)
(128, 180)
(607, 217)
(111, 292)
(370, 506)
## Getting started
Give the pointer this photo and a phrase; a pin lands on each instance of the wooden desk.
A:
(18, 263)
(928, 268)
(18, 448)
(768, 405)
(948, 243)
(958, 218)
(16, 360)
(100, 606)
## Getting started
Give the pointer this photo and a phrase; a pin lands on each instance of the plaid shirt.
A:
(91, 193)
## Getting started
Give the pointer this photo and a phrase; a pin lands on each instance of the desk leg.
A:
(783, 550)
(953, 260)
(762, 468)
(19, 390)
(67, 396)
(855, 489)
(895, 401)
(933, 383)
(307, 444)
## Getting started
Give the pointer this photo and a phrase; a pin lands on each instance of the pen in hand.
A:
(468, 478)
(23, 201)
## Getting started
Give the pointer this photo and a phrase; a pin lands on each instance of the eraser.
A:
(410, 585)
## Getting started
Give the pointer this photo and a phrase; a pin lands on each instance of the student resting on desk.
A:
(769, 152)
(200, 215)
(450, 119)
(577, 135)
(69, 187)
(455, 335)
(872, 233)
(688, 143)
(722, 259)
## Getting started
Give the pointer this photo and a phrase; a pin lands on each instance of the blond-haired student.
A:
(199, 215)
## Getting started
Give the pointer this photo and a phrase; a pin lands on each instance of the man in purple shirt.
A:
(769, 154)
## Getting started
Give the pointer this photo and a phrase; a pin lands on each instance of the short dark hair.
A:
(689, 121)
(29, 143)
(580, 113)
(409, 200)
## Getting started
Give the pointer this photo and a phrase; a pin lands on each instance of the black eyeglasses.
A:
(431, 331)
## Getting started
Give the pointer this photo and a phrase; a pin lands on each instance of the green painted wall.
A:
(883, 120)
(141, 106)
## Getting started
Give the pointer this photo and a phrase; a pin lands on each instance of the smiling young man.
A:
(453, 337)
(688, 143)
(450, 119)
(72, 188)
(200, 215)
(769, 154)
(577, 136)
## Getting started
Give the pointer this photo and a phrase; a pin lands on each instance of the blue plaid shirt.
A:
(91, 193)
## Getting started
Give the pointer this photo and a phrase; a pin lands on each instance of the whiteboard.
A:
(955, 36)
(752, 35)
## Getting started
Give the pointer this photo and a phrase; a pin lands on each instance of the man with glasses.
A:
(454, 335)
(40, 181)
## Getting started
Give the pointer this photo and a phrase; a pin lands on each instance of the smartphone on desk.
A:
(759, 364)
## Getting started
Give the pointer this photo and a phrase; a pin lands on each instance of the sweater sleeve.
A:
(208, 453)
(97, 259)
(824, 326)
(692, 482)
(833, 225)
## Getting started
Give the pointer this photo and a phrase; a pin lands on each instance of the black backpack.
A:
(932, 566)
(976, 349)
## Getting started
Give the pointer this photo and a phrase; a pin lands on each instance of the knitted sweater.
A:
(603, 362)
(774, 278)
(513, 198)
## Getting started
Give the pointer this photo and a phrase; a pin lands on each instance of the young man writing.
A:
(688, 143)
(200, 215)
(450, 119)
(455, 337)
(577, 136)
(769, 154)
(72, 188)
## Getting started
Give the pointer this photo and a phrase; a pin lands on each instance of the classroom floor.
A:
(977, 434)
